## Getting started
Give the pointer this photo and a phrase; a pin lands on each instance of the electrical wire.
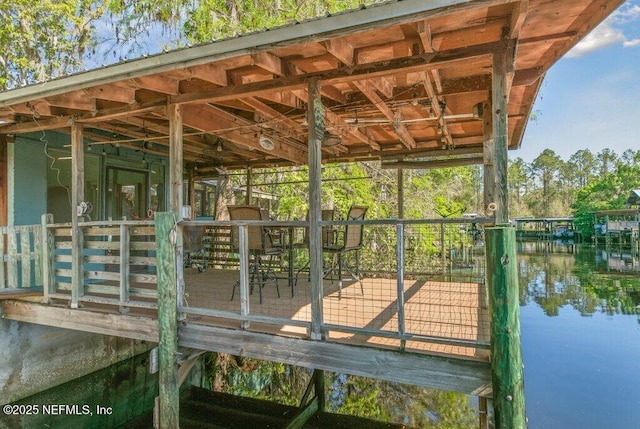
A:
(53, 159)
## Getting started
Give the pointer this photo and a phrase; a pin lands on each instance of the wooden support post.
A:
(315, 119)
(502, 64)
(318, 382)
(77, 196)
(400, 193)
(124, 267)
(176, 197)
(249, 195)
(191, 194)
(176, 194)
(506, 350)
(25, 255)
(169, 396)
(488, 157)
(4, 180)
(48, 261)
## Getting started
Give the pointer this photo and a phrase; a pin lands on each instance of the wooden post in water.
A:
(506, 350)
(169, 396)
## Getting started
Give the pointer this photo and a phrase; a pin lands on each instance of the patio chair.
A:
(348, 240)
(194, 251)
(327, 216)
(260, 245)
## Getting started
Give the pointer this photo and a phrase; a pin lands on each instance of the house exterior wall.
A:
(27, 163)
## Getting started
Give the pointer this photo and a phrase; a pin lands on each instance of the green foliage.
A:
(44, 39)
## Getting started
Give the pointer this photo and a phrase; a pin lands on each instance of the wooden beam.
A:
(346, 129)
(156, 83)
(518, 17)
(436, 163)
(118, 93)
(216, 121)
(77, 197)
(210, 73)
(176, 198)
(279, 121)
(424, 31)
(471, 377)
(269, 62)
(322, 29)
(435, 153)
(401, 130)
(438, 111)
(413, 64)
(120, 325)
(315, 119)
(341, 50)
(77, 100)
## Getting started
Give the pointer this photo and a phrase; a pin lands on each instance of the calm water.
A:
(580, 322)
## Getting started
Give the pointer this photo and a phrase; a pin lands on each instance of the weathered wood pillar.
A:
(48, 258)
(400, 181)
(249, 195)
(488, 152)
(501, 84)
(169, 395)
(4, 182)
(315, 119)
(77, 196)
(176, 197)
(176, 192)
(504, 307)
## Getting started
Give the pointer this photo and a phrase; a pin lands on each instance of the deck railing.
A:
(21, 252)
(423, 283)
(118, 263)
(412, 285)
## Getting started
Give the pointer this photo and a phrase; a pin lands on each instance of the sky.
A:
(590, 98)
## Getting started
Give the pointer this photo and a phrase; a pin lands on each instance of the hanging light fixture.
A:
(330, 140)
(266, 143)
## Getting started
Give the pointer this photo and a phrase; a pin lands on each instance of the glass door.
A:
(126, 194)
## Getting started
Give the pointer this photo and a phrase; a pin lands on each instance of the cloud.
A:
(614, 30)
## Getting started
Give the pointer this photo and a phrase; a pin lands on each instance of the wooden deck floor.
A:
(441, 311)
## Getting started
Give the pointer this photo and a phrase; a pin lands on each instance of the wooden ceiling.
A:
(398, 81)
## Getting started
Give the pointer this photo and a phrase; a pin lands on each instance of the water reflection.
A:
(580, 335)
(380, 400)
(589, 279)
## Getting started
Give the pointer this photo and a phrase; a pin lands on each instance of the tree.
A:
(546, 167)
(518, 183)
(44, 39)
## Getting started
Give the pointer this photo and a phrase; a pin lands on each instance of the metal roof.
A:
(400, 81)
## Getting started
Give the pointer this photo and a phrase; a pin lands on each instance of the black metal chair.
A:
(195, 252)
(347, 240)
(260, 245)
(326, 215)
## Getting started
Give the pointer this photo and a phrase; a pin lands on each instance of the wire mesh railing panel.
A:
(278, 297)
(413, 285)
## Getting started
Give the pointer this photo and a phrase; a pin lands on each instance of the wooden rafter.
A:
(438, 111)
(401, 130)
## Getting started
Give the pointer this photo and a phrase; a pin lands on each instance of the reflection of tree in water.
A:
(374, 399)
(553, 280)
